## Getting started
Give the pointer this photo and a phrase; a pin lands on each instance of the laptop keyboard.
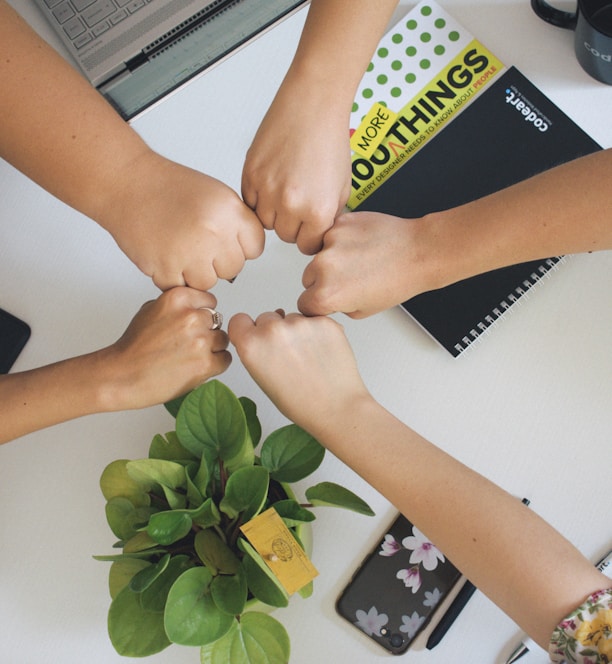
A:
(84, 20)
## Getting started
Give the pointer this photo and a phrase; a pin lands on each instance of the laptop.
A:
(136, 51)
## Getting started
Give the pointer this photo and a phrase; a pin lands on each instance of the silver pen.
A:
(523, 648)
(605, 566)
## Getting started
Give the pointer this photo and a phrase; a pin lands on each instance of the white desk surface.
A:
(530, 407)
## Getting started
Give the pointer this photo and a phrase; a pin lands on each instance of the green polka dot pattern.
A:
(418, 46)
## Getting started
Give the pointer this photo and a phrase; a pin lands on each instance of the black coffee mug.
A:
(592, 26)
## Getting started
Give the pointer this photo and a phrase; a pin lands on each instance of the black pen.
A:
(456, 607)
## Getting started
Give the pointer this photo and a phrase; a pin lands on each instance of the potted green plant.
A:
(186, 573)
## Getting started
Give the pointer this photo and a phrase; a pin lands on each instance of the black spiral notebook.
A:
(490, 145)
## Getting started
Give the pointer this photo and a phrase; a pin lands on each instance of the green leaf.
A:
(165, 528)
(291, 454)
(123, 518)
(169, 448)
(246, 457)
(176, 500)
(140, 542)
(245, 492)
(174, 405)
(133, 630)
(229, 592)
(256, 639)
(334, 495)
(300, 529)
(215, 553)
(154, 597)
(121, 573)
(293, 513)
(262, 582)
(145, 577)
(170, 526)
(191, 617)
(207, 514)
(168, 474)
(194, 497)
(211, 422)
(254, 425)
(141, 555)
(115, 482)
(202, 477)
(306, 591)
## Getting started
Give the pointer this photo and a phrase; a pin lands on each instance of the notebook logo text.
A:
(529, 112)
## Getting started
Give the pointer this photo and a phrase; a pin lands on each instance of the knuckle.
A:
(192, 323)
(175, 297)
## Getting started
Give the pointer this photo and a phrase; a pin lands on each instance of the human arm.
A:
(297, 171)
(372, 261)
(167, 350)
(177, 225)
(520, 562)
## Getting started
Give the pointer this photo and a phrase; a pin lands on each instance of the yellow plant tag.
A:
(283, 554)
(372, 130)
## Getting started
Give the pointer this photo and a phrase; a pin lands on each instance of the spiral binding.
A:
(544, 270)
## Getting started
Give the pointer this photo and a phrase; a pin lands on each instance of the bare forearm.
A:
(528, 569)
(36, 399)
(510, 554)
(54, 126)
(337, 43)
(565, 210)
(168, 349)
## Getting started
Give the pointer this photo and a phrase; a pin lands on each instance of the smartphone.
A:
(14, 334)
(395, 591)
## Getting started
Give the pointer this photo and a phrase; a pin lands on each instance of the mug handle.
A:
(554, 16)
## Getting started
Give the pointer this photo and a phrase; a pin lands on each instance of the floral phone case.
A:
(396, 589)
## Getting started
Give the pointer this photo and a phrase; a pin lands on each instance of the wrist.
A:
(451, 252)
(342, 418)
(312, 81)
(127, 189)
(110, 390)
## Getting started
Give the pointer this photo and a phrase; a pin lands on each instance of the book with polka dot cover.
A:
(425, 71)
(439, 121)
